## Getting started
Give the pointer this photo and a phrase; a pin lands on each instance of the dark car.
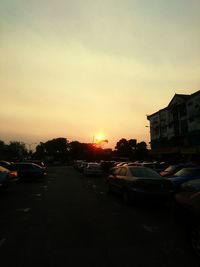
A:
(35, 161)
(7, 177)
(134, 182)
(172, 169)
(5, 164)
(188, 199)
(28, 171)
(184, 175)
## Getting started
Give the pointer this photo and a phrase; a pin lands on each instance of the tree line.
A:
(60, 149)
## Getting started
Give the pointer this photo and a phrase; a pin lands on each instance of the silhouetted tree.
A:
(56, 149)
(123, 148)
(16, 151)
(133, 143)
(76, 150)
(40, 152)
(141, 151)
(3, 150)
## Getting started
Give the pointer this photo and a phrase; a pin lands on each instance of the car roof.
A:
(25, 163)
(2, 169)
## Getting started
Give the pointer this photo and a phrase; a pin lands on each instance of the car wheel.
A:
(195, 239)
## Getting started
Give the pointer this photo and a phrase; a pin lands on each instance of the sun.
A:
(99, 137)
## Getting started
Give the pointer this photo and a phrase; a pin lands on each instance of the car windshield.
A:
(2, 169)
(188, 172)
(171, 168)
(144, 172)
(94, 165)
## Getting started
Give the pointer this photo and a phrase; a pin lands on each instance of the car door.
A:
(122, 178)
(113, 179)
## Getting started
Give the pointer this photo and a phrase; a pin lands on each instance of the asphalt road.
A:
(70, 220)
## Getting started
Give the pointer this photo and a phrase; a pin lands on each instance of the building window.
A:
(182, 110)
(184, 126)
(191, 119)
(190, 103)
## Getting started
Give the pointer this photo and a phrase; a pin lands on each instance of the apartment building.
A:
(176, 128)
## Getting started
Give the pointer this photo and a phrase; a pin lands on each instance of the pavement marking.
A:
(44, 186)
(150, 229)
(37, 195)
(24, 210)
(2, 241)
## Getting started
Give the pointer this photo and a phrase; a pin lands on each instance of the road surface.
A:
(70, 220)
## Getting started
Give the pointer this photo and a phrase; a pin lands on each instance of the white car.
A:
(93, 168)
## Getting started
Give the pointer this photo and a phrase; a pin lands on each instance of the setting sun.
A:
(99, 137)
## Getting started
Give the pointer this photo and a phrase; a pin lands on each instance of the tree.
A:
(76, 150)
(123, 148)
(55, 149)
(132, 143)
(101, 143)
(16, 150)
(40, 151)
(59, 145)
(3, 150)
(141, 151)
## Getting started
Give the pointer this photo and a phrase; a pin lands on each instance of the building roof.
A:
(183, 97)
(160, 110)
(179, 96)
(196, 93)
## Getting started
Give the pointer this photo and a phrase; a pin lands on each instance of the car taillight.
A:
(13, 174)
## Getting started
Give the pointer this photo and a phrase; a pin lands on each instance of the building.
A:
(176, 128)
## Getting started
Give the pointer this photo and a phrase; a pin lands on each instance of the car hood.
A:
(182, 178)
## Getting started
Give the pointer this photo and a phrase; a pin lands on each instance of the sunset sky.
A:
(77, 68)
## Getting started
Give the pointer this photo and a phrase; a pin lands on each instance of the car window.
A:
(188, 172)
(171, 168)
(116, 171)
(2, 169)
(123, 172)
(15, 167)
(94, 165)
(144, 172)
(27, 167)
(22, 166)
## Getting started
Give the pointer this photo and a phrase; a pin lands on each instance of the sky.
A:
(77, 68)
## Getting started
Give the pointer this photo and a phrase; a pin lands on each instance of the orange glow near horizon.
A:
(98, 138)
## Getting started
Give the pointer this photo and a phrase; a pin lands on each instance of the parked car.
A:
(35, 161)
(106, 165)
(172, 169)
(188, 199)
(5, 164)
(28, 171)
(7, 177)
(82, 166)
(93, 169)
(77, 164)
(156, 166)
(139, 182)
(184, 175)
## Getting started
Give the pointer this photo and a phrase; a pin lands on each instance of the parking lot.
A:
(68, 219)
